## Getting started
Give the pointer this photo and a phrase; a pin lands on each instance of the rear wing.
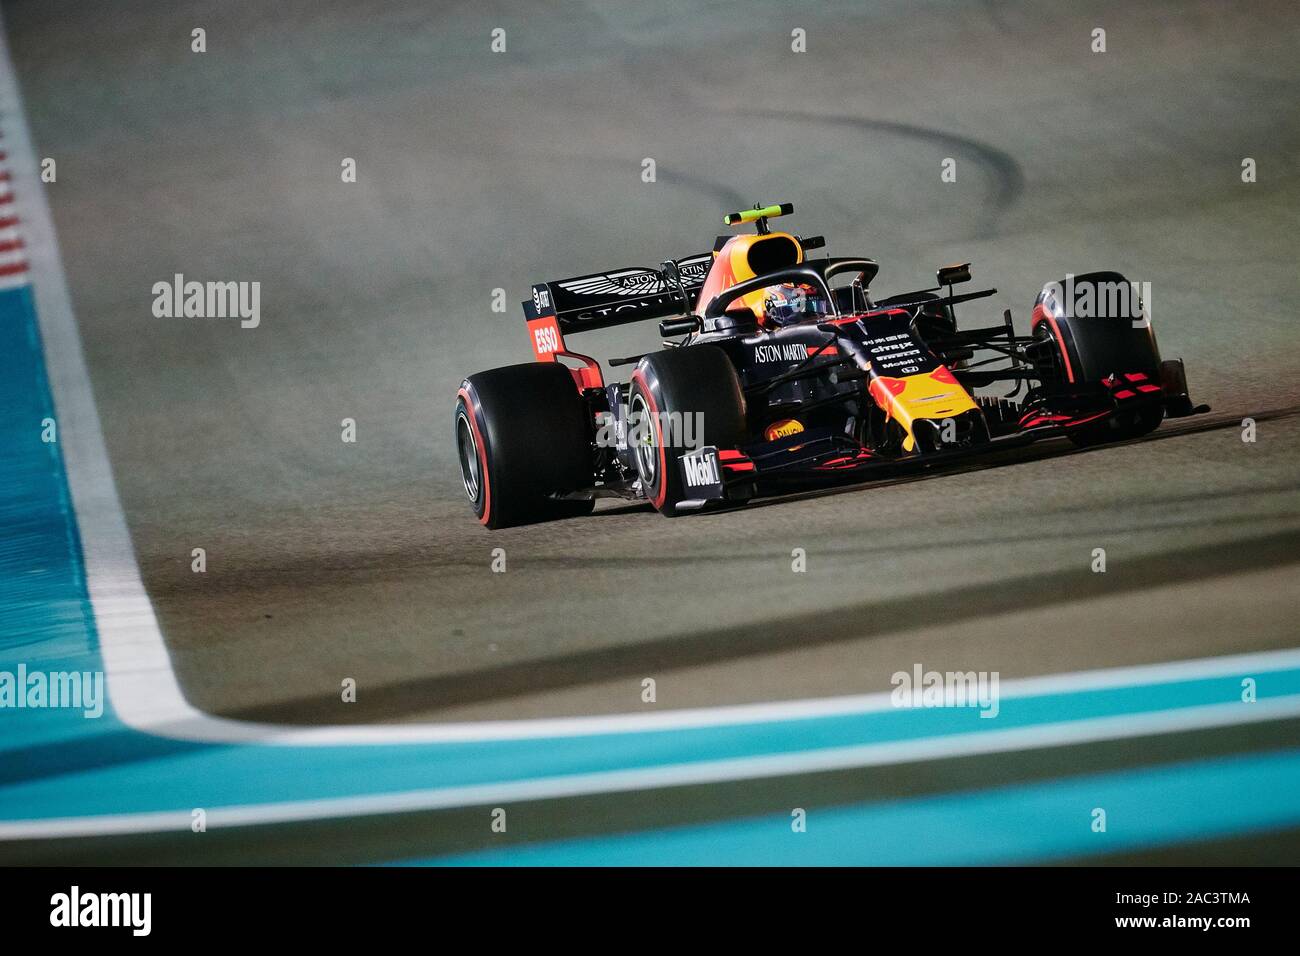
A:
(603, 299)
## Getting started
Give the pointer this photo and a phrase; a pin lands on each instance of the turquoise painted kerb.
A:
(55, 763)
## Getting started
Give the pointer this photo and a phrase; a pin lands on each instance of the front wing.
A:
(822, 455)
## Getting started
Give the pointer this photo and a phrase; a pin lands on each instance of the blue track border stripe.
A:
(1201, 800)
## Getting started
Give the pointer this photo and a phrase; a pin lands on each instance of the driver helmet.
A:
(793, 302)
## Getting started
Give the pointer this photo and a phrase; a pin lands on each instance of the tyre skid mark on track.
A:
(1009, 179)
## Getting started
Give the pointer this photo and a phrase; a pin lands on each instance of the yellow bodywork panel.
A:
(922, 396)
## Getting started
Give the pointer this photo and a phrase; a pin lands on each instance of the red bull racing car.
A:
(779, 369)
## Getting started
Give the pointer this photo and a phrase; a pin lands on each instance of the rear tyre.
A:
(522, 437)
(1090, 349)
(696, 392)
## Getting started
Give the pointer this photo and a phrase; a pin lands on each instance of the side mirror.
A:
(682, 326)
(951, 275)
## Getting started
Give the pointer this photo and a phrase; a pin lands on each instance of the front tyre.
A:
(523, 438)
(681, 399)
(1087, 349)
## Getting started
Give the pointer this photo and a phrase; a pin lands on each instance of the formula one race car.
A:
(788, 372)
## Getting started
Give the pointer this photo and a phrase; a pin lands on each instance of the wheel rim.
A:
(647, 457)
(1057, 350)
(467, 448)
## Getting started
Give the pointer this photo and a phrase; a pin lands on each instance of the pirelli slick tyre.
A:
(681, 399)
(1090, 348)
(522, 437)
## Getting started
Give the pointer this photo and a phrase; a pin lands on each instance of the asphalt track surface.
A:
(479, 171)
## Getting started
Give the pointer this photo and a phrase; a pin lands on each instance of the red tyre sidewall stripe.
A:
(662, 495)
(1045, 316)
(471, 412)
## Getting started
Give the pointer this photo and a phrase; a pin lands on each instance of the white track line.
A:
(142, 685)
(705, 772)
